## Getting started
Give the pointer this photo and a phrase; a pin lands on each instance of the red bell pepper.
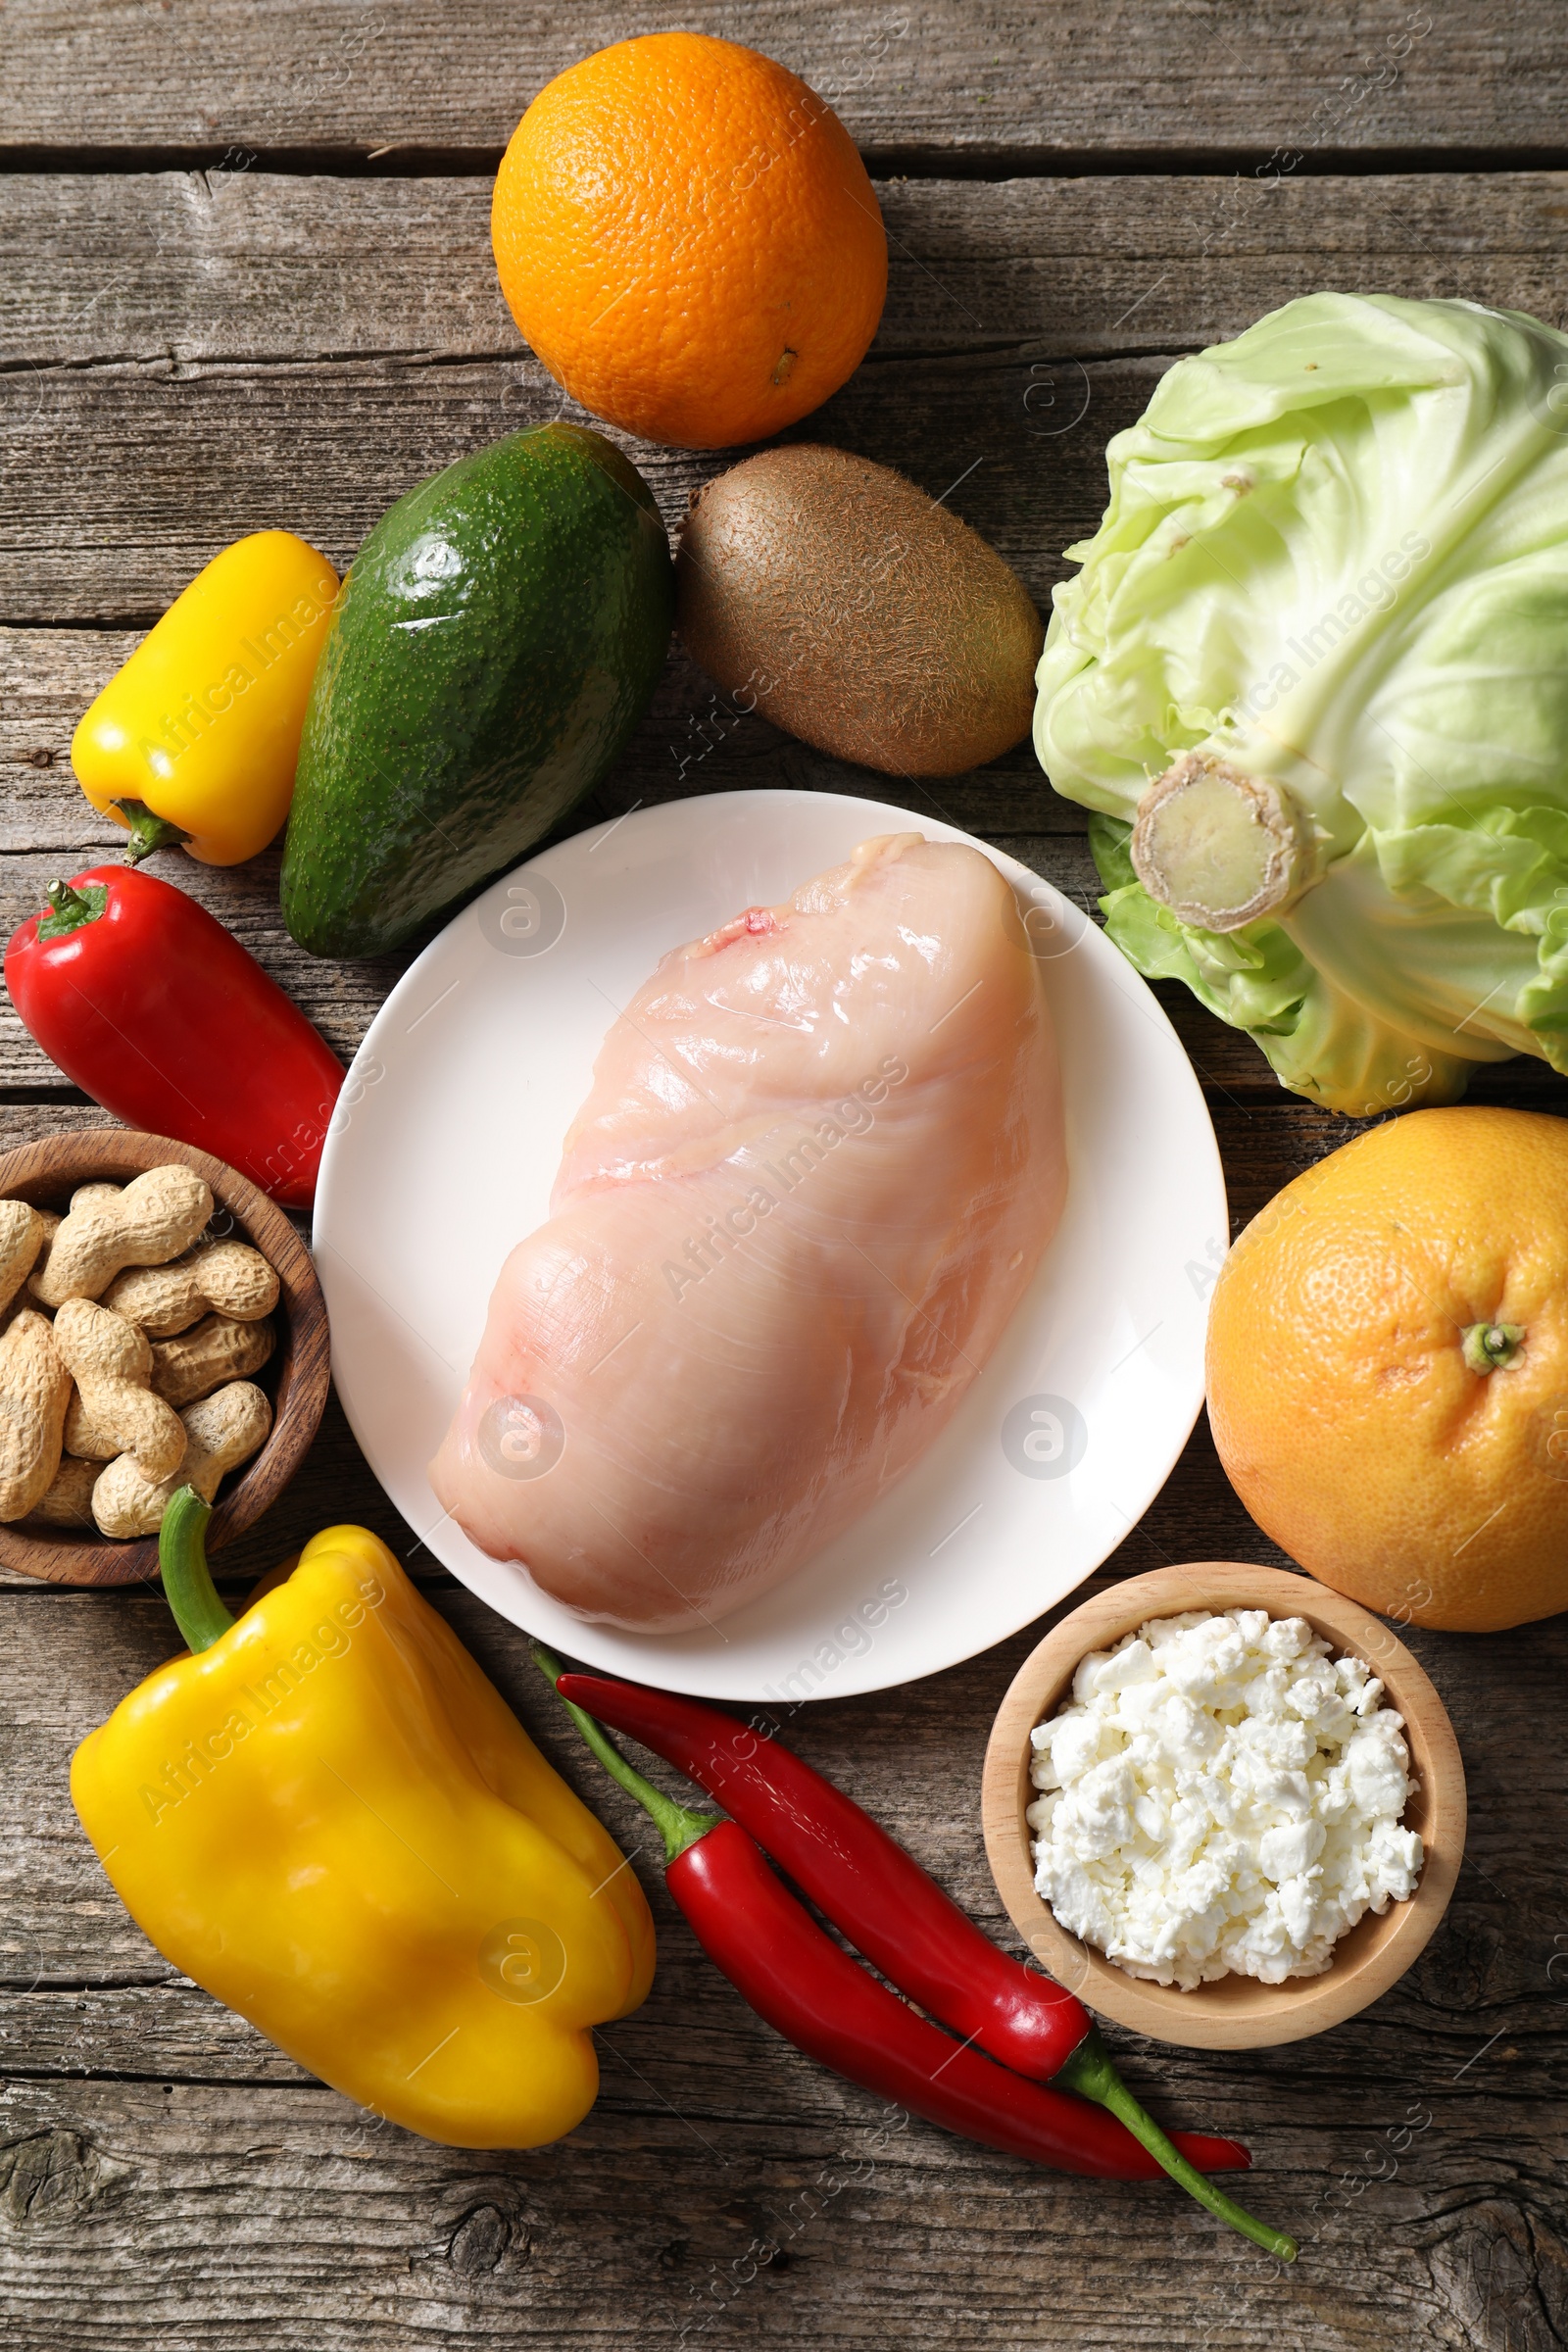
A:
(152, 1007)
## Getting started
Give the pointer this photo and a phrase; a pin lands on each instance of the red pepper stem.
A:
(1089, 2072)
(678, 1828)
(70, 908)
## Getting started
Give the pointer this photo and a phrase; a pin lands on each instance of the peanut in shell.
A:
(67, 1501)
(154, 1218)
(217, 1350)
(34, 1389)
(228, 1278)
(220, 1431)
(111, 1363)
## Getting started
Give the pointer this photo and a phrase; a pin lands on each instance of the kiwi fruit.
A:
(850, 608)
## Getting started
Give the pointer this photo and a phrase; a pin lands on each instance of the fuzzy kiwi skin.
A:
(850, 609)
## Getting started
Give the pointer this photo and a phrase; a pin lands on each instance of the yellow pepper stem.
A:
(188, 1580)
(148, 832)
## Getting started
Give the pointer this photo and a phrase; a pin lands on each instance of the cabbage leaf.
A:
(1336, 556)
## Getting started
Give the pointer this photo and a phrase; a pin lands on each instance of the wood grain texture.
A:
(180, 270)
(208, 2195)
(278, 406)
(126, 478)
(187, 356)
(940, 76)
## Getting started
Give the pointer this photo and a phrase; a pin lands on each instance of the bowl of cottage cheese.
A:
(1224, 1804)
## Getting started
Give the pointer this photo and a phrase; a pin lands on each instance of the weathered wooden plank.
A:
(728, 2127)
(298, 351)
(689, 743)
(207, 2140)
(135, 2020)
(124, 481)
(178, 270)
(194, 2218)
(944, 75)
(191, 370)
(913, 1754)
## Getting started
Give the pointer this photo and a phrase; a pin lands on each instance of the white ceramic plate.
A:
(446, 1143)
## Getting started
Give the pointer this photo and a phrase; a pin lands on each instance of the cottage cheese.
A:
(1221, 1795)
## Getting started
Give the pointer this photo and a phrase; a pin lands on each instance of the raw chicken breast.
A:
(819, 1163)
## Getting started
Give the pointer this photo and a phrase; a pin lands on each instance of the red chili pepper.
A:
(867, 1885)
(800, 1982)
(155, 1011)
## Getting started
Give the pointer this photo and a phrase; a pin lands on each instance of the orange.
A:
(1387, 1368)
(687, 237)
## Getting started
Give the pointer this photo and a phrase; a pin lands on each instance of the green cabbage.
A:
(1336, 556)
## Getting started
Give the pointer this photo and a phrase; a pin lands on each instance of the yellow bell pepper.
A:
(328, 1817)
(197, 738)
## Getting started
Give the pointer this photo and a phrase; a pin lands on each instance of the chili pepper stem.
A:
(1089, 2070)
(1091, 2073)
(188, 1580)
(679, 1827)
(148, 832)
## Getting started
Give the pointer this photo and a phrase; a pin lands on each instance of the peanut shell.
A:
(112, 1363)
(34, 1386)
(200, 1361)
(221, 1432)
(154, 1218)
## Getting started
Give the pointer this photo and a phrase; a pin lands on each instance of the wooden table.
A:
(249, 283)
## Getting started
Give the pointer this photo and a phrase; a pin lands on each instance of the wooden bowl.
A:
(46, 1173)
(1236, 2013)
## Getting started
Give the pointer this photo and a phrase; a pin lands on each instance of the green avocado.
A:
(492, 647)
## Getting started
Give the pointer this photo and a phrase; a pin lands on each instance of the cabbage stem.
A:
(1218, 847)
